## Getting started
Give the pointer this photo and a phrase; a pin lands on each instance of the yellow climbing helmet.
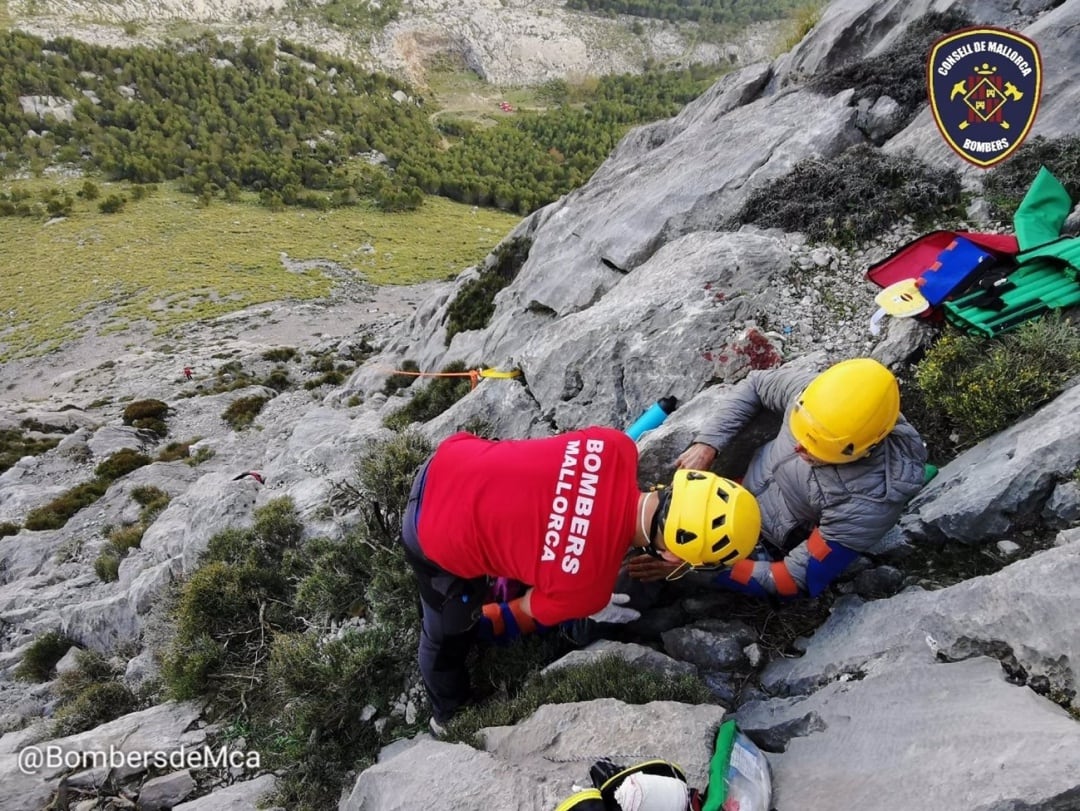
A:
(710, 520)
(846, 410)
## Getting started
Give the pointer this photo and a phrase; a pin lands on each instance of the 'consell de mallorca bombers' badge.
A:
(984, 86)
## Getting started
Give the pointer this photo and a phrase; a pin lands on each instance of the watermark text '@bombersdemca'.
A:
(35, 759)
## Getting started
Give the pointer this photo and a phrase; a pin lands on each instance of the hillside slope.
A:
(505, 43)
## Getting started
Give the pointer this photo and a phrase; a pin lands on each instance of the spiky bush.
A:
(855, 196)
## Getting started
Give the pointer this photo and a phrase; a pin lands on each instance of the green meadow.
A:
(166, 260)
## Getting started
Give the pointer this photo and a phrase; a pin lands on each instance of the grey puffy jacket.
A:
(853, 504)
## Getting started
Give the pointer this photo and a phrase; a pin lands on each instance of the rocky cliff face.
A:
(950, 698)
(523, 42)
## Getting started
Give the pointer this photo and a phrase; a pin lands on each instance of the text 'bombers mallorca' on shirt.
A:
(556, 513)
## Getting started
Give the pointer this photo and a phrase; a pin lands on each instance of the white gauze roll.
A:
(652, 792)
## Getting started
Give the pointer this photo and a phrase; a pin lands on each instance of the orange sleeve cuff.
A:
(494, 615)
(785, 583)
(816, 545)
(742, 572)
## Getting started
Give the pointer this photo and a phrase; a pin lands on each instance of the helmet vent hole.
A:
(730, 557)
(722, 494)
(693, 476)
(684, 536)
(849, 450)
(719, 521)
(720, 544)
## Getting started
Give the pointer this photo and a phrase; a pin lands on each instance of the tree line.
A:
(292, 124)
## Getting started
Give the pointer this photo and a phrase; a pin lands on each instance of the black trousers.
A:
(450, 608)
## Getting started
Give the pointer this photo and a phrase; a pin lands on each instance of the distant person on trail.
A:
(559, 514)
(830, 484)
(188, 373)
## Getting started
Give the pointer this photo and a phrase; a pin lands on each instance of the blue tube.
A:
(653, 417)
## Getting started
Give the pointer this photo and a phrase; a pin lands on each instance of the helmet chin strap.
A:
(650, 547)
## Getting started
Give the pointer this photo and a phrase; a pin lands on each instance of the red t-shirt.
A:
(556, 513)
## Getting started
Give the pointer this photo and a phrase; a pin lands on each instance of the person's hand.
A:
(616, 611)
(646, 568)
(698, 456)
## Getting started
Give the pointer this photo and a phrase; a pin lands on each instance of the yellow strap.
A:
(574, 802)
(497, 374)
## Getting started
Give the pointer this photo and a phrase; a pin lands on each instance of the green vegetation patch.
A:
(433, 399)
(166, 262)
(90, 694)
(474, 304)
(39, 661)
(56, 513)
(147, 415)
(854, 196)
(1006, 184)
(122, 539)
(608, 677)
(251, 630)
(971, 388)
(242, 413)
(14, 445)
(899, 72)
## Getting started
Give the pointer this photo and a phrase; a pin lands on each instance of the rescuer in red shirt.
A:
(560, 514)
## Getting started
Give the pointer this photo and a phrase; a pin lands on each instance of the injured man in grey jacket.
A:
(831, 483)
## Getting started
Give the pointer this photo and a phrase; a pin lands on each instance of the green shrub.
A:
(95, 705)
(977, 387)
(474, 304)
(127, 537)
(90, 694)
(57, 512)
(280, 354)
(222, 618)
(855, 196)
(152, 499)
(900, 71)
(8, 528)
(1006, 184)
(175, 451)
(608, 677)
(398, 381)
(107, 565)
(39, 661)
(88, 191)
(121, 463)
(231, 605)
(201, 455)
(432, 400)
(328, 684)
(14, 445)
(278, 380)
(145, 409)
(241, 413)
(333, 378)
(113, 204)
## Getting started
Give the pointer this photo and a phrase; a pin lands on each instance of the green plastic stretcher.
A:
(1047, 276)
